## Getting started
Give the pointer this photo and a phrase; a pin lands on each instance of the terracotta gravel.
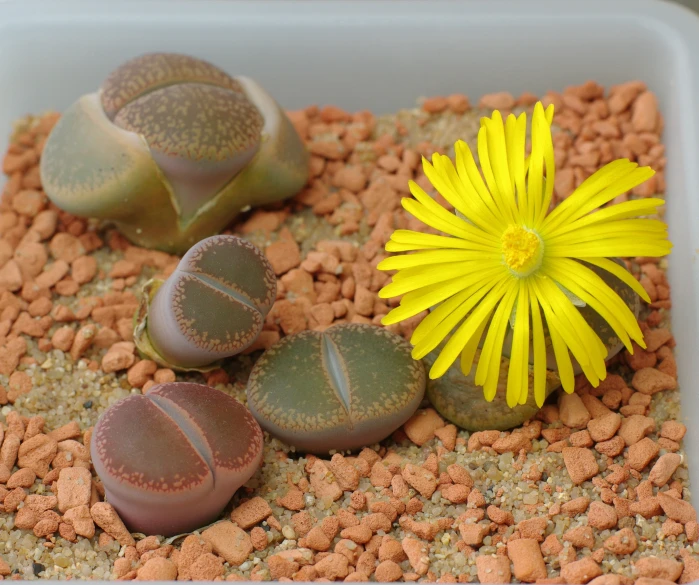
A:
(594, 489)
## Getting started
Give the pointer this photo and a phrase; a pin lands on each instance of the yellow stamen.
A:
(522, 250)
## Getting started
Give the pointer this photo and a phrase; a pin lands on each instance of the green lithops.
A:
(611, 341)
(458, 398)
(346, 387)
(170, 149)
(211, 307)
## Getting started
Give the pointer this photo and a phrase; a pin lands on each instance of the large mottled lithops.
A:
(170, 149)
(601, 327)
(170, 460)
(211, 307)
(458, 398)
(349, 386)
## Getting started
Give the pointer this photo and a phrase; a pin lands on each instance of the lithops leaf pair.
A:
(610, 339)
(170, 460)
(211, 307)
(458, 399)
(170, 149)
(349, 386)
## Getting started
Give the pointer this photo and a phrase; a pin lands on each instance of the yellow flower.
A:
(506, 258)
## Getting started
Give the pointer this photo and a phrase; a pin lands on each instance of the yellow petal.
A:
(472, 181)
(518, 374)
(431, 257)
(425, 275)
(625, 210)
(541, 133)
(621, 273)
(535, 174)
(586, 199)
(589, 188)
(488, 370)
(560, 352)
(539, 343)
(419, 300)
(469, 352)
(439, 323)
(498, 157)
(626, 228)
(590, 288)
(617, 247)
(485, 162)
(461, 195)
(516, 136)
(466, 330)
(583, 342)
(431, 240)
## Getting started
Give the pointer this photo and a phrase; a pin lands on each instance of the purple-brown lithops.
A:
(170, 149)
(349, 386)
(211, 307)
(170, 460)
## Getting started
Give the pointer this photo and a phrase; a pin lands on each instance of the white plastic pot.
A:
(382, 55)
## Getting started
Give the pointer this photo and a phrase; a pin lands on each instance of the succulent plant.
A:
(610, 339)
(458, 398)
(170, 149)
(346, 387)
(211, 307)
(170, 460)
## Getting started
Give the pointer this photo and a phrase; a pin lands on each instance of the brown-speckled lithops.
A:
(211, 307)
(170, 460)
(460, 400)
(170, 149)
(610, 339)
(349, 386)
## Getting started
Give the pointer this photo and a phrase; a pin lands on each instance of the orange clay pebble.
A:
(528, 564)
(250, 513)
(228, 541)
(580, 464)
(417, 555)
(493, 569)
(652, 567)
(104, 515)
(677, 509)
(673, 430)
(421, 427)
(580, 571)
(624, 542)
(576, 506)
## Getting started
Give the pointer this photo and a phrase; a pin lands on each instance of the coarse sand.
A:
(596, 487)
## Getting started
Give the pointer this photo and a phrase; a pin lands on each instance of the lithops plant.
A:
(458, 398)
(170, 149)
(170, 460)
(211, 307)
(610, 339)
(346, 387)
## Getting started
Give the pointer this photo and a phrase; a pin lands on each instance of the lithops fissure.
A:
(212, 306)
(171, 148)
(170, 460)
(349, 386)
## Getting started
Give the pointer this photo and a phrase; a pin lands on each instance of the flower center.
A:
(522, 250)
